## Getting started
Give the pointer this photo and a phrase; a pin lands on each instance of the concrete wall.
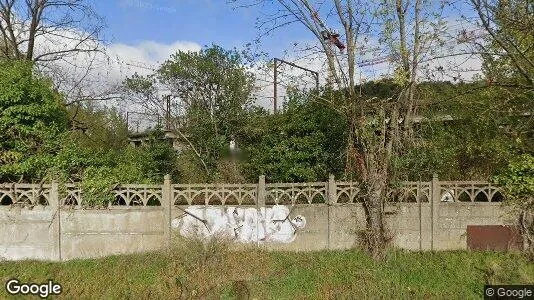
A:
(51, 233)
(91, 233)
(453, 219)
(45, 234)
(28, 233)
(410, 225)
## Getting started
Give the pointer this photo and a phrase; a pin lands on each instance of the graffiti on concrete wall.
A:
(246, 225)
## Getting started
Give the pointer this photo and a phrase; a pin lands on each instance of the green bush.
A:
(144, 165)
(33, 122)
(305, 142)
(517, 181)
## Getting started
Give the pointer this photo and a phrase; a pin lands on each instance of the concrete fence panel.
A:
(51, 222)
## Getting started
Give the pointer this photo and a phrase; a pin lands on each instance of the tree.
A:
(98, 128)
(213, 90)
(64, 40)
(33, 120)
(518, 183)
(378, 129)
(109, 168)
(510, 27)
(508, 58)
(4, 49)
(510, 66)
(38, 142)
(468, 131)
(29, 29)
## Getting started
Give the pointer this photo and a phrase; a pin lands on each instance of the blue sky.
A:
(144, 33)
(202, 21)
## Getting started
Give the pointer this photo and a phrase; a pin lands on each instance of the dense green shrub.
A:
(517, 180)
(147, 164)
(305, 142)
(38, 141)
(33, 122)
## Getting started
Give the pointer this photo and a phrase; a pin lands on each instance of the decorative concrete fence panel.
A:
(52, 222)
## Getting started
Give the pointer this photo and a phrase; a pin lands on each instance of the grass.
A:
(212, 271)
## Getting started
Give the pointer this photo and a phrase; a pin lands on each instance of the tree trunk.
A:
(366, 166)
(375, 238)
(353, 162)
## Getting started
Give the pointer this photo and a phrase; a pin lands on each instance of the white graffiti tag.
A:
(244, 225)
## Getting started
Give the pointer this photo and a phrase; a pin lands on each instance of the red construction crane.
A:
(328, 34)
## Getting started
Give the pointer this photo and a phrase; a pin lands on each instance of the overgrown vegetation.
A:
(211, 271)
(468, 132)
(33, 121)
(396, 128)
(214, 89)
(304, 142)
(43, 140)
(518, 183)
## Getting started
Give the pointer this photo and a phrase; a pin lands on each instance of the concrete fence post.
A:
(167, 205)
(55, 206)
(332, 199)
(332, 189)
(261, 192)
(434, 208)
(260, 202)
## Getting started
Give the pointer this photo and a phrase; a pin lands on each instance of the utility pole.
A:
(168, 113)
(275, 92)
(275, 81)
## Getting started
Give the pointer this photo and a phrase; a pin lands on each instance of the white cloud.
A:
(150, 53)
(100, 74)
(102, 71)
(143, 59)
(121, 60)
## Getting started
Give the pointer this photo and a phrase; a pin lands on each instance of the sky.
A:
(147, 32)
(166, 21)
(139, 35)
(203, 22)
